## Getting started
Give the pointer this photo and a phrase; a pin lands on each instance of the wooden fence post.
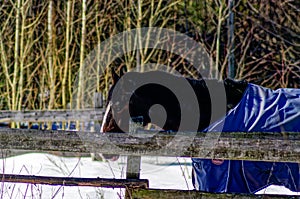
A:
(98, 100)
(133, 162)
(133, 167)
(98, 103)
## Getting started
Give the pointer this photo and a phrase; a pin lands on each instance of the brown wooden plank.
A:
(185, 194)
(241, 146)
(51, 115)
(71, 181)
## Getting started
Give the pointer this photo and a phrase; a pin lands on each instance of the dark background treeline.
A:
(44, 44)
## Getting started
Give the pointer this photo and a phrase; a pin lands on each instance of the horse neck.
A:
(214, 95)
(234, 91)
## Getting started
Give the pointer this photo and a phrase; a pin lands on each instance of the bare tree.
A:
(50, 54)
(79, 100)
(45, 45)
(67, 54)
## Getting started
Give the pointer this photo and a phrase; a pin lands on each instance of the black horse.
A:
(134, 97)
(144, 97)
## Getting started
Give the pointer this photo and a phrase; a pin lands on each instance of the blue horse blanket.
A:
(260, 110)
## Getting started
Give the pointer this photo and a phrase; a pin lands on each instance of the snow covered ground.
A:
(162, 172)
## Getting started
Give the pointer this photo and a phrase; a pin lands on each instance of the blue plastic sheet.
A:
(55, 126)
(260, 110)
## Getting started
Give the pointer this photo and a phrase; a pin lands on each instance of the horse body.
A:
(211, 175)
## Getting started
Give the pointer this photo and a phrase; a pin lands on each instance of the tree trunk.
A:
(16, 60)
(65, 72)
(79, 104)
(50, 56)
(220, 20)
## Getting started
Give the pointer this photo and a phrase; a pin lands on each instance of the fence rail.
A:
(71, 181)
(241, 146)
(188, 194)
(51, 115)
(236, 145)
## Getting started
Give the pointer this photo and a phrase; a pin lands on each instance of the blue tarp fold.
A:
(260, 110)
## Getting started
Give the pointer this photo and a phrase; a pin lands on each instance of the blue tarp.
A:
(260, 110)
(55, 126)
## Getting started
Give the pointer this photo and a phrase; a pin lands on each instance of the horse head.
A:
(136, 102)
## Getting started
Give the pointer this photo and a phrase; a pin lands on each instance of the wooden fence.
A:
(51, 115)
(236, 145)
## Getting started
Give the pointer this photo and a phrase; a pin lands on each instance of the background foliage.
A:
(43, 44)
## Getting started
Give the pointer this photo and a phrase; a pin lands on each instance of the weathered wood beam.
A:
(188, 194)
(13, 152)
(51, 115)
(71, 181)
(239, 146)
(133, 162)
